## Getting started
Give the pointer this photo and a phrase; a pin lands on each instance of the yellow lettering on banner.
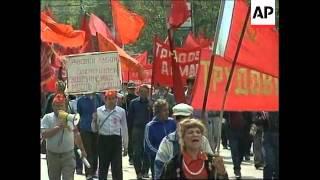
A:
(197, 67)
(205, 65)
(175, 57)
(191, 57)
(197, 57)
(164, 68)
(157, 49)
(242, 82)
(255, 82)
(182, 57)
(227, 72)
(217, 77)
(192, 70)
(164, 53)
(183, 71)
(276, 85)
(266, 84)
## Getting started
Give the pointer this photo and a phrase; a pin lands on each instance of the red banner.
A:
(250, 90)
(187, 58)
(134, 76)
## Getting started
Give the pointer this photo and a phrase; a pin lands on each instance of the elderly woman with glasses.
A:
(193, 162)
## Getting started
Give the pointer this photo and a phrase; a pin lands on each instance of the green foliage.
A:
(204, 17)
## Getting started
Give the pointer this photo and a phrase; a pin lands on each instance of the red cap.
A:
(111, 93)
(59, 99)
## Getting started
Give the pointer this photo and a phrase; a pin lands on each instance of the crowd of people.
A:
(156, 133)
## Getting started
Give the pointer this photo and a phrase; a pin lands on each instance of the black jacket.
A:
(271, 124)
(173, 169)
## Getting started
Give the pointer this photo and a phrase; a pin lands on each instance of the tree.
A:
(204, 17)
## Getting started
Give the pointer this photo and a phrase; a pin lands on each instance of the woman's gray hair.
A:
(158, 105)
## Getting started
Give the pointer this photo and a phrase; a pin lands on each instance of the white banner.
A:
(93, 72)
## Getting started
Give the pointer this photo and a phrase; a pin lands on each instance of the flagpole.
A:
(212, 58)
(128, 74)
(60, 68)
(173, 59)
(230, 75)
(152, 75)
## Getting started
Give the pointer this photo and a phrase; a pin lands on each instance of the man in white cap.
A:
(169, 145)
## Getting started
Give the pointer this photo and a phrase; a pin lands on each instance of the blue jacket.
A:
(139, 113)
(155, 131)
(86, 107)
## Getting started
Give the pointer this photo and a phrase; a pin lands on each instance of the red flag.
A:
(96, 25)
(48, 12)
(179, 13)
(260, 46)
(134, 76)
(46, 70)
(166, 41)
(188, 60)
(87, 46)
(127, 62)
(191, 41)
(128, 24)
(60, 51)
(250, 90)
(62, 34)
(50, 85)
(203, 41)
(143, 59)
(56, 58)
(177, 82)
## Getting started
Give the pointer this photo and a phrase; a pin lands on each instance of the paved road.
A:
(248, 170)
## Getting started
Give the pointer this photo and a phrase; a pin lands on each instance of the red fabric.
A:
(188, 60)
(191, 41)
(59, 99)
(87, 46)
(260, 45)
(178, 87)
(56, 58)
(96, 25)
(134, 76)
(203, 41)
(249, 91)
(48, 11)
(128, 24)
(46, 70)
(127, 62)
(143, 59)
(179, 13)
(195, 166)
(110, 93)
(50, 85)
(62, 34)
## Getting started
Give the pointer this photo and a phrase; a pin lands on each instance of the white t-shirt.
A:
(55, 143)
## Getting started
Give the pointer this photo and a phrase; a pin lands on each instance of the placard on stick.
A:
(92, 72)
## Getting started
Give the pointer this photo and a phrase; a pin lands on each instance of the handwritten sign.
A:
(93, 72)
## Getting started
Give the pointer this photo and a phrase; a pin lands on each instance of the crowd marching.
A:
(156, 133)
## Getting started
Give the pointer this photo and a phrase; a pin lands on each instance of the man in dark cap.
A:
(130, 96)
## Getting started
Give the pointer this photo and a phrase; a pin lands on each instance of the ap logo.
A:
(263, 12)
